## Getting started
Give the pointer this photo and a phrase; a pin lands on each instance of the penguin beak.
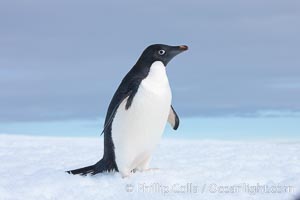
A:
(183, 47)
(178, 49)
(175, 50)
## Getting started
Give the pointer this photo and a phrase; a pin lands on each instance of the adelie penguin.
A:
(137, 114)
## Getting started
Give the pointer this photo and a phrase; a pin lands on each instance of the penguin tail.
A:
(101, 166)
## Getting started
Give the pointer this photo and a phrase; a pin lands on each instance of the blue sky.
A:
(61, 61)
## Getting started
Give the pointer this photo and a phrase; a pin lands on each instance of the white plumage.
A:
(137, 131)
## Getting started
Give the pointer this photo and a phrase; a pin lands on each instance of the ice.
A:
(32, 167)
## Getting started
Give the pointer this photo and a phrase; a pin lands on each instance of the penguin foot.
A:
(125, 175)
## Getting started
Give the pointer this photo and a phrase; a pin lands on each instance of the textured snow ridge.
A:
(33, 168)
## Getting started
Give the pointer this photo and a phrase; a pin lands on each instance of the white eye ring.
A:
(161, 52)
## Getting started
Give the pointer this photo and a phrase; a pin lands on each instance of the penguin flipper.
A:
(111, 116)
(173, 118)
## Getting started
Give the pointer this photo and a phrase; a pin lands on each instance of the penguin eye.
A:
(161, 52)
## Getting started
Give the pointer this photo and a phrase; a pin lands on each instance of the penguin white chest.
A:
(136, 131)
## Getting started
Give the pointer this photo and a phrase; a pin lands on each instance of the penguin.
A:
(137, 114)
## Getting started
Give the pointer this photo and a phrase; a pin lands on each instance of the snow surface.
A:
(33, 168)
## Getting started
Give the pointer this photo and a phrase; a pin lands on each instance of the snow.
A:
(32, 167)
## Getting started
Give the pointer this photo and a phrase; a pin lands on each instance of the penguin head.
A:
(161, 52)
